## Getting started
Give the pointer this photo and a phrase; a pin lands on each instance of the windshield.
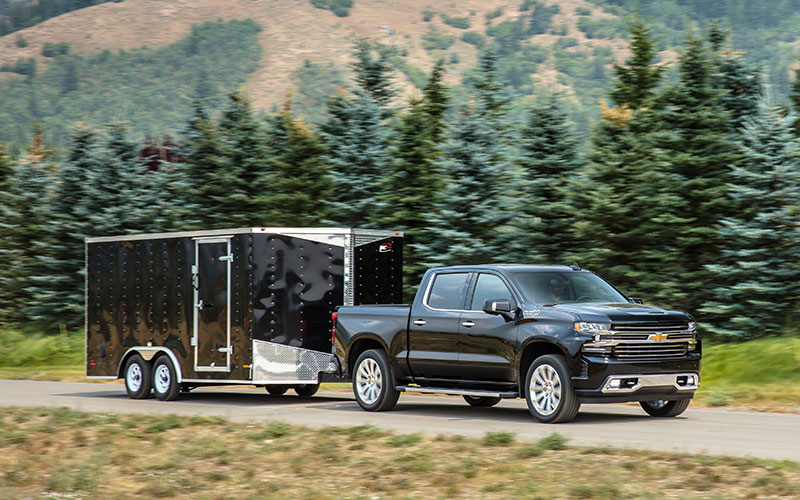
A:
(565, 287)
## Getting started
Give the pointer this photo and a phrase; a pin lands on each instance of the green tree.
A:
(374, 75)
(548, 166)
(636, 82)
(413, 181)
(470, 220)
(693, 153)
(302, 178)
(795, 98)
(760, 292)
(246, 178)
(739, 80)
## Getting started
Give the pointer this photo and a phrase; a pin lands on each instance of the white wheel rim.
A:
(369, 381)
(134, 377)
(545, 389)
(162, 379)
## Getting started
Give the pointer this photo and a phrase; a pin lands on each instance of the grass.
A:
(61, 453)
(760, 374)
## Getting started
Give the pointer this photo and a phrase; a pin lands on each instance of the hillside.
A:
(566, 45)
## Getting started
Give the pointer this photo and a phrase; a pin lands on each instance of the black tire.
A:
(138, 377)
(276, 390)
(165, 380)
(306, 390)
(662, 408)
(373, 382)
(556, 401)
(482, 401)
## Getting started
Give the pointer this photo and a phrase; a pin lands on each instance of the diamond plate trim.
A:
(282, 363)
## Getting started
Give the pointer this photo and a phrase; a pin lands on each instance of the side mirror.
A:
(635, 300)
(501, 307)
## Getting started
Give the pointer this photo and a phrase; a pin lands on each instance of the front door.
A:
(212, 321)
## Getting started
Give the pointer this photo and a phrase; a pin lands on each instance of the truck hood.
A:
(621, 312)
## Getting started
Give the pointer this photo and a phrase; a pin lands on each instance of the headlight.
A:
(584, 327)
(692, 326)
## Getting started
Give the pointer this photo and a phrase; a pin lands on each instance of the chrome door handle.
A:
(468, 324)
(420, 322)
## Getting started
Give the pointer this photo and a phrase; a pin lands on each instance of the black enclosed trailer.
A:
(253, 306)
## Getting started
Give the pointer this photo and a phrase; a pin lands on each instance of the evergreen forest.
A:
(686, 192)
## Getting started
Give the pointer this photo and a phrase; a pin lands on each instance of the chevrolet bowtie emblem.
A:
(658, 337)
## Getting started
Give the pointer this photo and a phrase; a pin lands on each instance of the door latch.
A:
(200, 305)
(226, 258)
(420, 322)
(228, 349)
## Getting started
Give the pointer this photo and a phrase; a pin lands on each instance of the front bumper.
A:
(613, 381)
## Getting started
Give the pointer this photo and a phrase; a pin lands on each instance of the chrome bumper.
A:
(626, 384)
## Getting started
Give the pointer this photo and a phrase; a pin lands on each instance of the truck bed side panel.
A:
(386, 324)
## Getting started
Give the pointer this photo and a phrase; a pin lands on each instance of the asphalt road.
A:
(716, 432)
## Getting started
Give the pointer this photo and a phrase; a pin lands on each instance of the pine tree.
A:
(761, 293)
(413, 181)
(739, 80)
(475, 208)
(795, 98)
(693, 152)
(22, 216)
(206, 166)
(356, 142)
(250, 198)
(6, 170)
(636, 82)
(57, 287)
(548, 163)
(302, 178)
(374, 75)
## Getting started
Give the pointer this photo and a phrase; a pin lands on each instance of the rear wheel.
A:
(373, 382)
(306, 390)
(165, 380)
(549, 392)
(663, 408)
(138, 379)
(277, 390)
(482, 401)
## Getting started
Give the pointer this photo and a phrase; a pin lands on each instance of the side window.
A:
(447, 291)
(489, 286)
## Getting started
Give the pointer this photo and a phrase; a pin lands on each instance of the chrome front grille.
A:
(653, 326)
(650, 350)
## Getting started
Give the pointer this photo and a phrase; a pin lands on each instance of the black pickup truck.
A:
(558, 336)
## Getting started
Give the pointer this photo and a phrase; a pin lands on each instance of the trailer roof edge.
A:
(254, 230)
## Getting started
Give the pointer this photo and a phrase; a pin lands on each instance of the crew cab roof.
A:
(506, 267)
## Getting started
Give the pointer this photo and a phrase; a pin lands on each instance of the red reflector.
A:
(92, 363)
(333, 329)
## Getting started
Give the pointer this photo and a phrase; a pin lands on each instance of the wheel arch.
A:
(150, 354)
(533, 350)
(360, 344)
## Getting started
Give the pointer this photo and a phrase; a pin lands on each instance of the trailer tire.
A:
(165, 380)
(306, 390)
(373, 382)
(276, 390)
(138, 378)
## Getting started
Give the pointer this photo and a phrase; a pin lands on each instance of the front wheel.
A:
(165, 381)
(276, 390)
(548, 390)
(662, 408)
(481, 401)
(373, 383)
(306, 390)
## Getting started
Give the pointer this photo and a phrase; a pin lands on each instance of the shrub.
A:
(554, 441)
(461, 23)
(21, 42)
(498, 438)
(55, 49)
(473, 38)
(494, 14)
(427, 15)
(436, 40)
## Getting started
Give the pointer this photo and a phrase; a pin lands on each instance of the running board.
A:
(457, 392)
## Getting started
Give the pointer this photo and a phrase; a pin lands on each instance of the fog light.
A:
(614, 383)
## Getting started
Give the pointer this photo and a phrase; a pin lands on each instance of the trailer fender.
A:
(148, 353)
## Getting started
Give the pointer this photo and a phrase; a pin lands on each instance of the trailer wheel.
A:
(306, 390)
(137, 377)
(165, 380)
(373, 383)
(276, 390)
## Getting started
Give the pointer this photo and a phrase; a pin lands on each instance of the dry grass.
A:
(293, 31)
(60, 453)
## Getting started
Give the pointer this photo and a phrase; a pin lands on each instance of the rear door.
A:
(434, 324)
(212, 291)
(486, 341)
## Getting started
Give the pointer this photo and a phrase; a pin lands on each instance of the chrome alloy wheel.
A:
(657, 404)
(162, 379)
(369, 381)
(133, 378)
(545, 389)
